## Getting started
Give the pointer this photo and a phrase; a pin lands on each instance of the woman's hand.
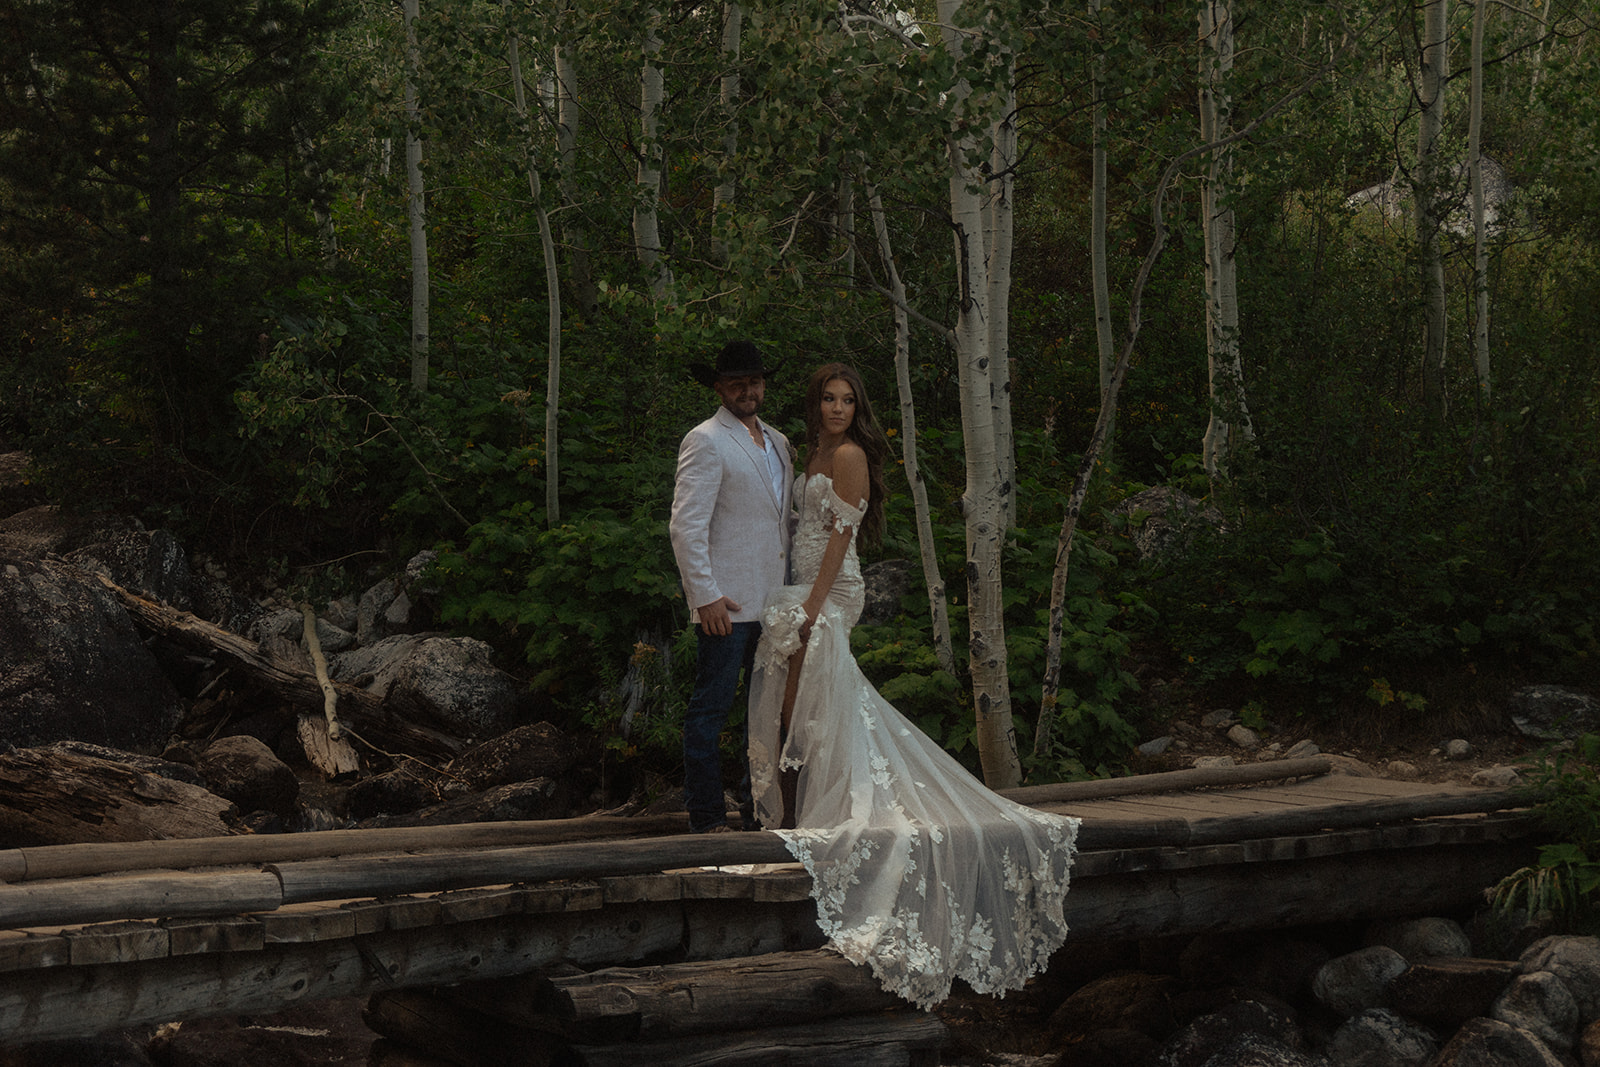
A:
(813, 613)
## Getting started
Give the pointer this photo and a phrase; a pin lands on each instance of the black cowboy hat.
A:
(737, 359)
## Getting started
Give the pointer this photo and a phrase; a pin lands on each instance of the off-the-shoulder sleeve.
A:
(845, 517)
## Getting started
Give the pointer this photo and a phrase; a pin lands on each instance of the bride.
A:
(918, 870)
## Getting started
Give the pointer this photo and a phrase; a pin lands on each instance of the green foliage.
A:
(1566, 878)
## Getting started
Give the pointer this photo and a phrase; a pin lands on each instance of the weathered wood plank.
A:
(22, 950)
(306, 923)
(196, 936)
(724, 929)
(119, 942)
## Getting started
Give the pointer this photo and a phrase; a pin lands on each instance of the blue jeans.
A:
(718, 661)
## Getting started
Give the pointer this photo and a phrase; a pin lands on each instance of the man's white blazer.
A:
(730, 530)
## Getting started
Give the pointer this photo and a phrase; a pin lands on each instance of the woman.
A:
(918, 870)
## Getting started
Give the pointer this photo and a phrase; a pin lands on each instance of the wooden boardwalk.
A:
(100, 937)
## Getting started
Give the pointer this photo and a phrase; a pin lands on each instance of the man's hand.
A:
(714, 617)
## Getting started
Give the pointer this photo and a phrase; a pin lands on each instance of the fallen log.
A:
(49, 796)
(1169, 781)
(364, 713)
(649, 1004)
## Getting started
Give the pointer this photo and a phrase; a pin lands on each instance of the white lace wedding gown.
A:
(918, 870)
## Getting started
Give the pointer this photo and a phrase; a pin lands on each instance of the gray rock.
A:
(1244, 737)
(448, 681)
(1498, 777)
(1540, 1004)
(1342, 764)
(1421, 939)
(74, 667)
(1576, 961)
(886, 582)
(1379, 1037)
(1156, 746)
(1400, 770)
(343, 613)
(1216, 720)
(1218, 1033)
(1356, 981)
(1457, 749)
(1491, 1043)
(1163, 520)
(1209, 762)
(1302, 749)
(1258, 1050)
(1551, 712)
(244, 770)
(370, 612)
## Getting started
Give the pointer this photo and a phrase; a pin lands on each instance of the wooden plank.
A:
(189, 937)
(119, 942)
(793, 883)
(22, 950)
(570, 896)
(718, 885)
(884, 1039)
(306, 923)
(470, 905)
(632, 888)
(394, 913)
(137, 896)
(457, 1034)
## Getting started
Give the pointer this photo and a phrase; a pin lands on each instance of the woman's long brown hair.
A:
(863, 430)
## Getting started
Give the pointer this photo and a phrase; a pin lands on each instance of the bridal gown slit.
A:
(918, 870)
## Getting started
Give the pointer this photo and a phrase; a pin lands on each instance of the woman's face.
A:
(838, 406)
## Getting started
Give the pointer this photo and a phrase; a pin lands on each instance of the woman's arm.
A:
(850, 484)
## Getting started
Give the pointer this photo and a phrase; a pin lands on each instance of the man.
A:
(730, 534)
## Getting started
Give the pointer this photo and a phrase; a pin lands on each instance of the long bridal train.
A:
(918, 870)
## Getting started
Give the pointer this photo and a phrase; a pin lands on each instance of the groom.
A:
(730, 534)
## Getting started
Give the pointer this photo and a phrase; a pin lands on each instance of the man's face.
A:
(742, 395)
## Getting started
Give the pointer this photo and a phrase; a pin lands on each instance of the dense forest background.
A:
(321, 283)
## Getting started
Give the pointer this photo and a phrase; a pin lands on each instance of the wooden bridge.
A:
(101, 937)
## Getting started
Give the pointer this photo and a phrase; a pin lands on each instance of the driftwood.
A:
(364, 713)
(323, 740)
(48, 796)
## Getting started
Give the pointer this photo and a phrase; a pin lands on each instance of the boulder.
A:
(1491, 1043)
(75, 666)
(537, 750)
(445, 681)
(244, 770)
(1163, 520)
(1356, 981)
(1574, 960)
(1421, 939)
(1206, 1037)
(1379, 1037)
(1553, 713)
(1127, 1000)
(887, 581)
(1540, 1004)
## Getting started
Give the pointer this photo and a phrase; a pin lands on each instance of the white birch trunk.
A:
(1435, 61)
(722, 197)
(982, 502)
(568, 116)
(1480, 259)
(415, 204)
(1104, 338)
(1230, 418)
(552, 424)
(1000, 226)
(646, 221)
(938, 607)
